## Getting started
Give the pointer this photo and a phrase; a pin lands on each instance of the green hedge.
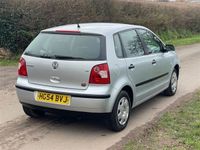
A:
(21, 20)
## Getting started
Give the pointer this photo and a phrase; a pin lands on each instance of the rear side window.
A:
(118, 47)
(131, 43)
(64, 46)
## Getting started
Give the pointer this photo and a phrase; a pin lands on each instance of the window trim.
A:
(123, 54)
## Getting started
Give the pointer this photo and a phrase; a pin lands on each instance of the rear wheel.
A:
(171, 90)
(119, 117)
(34, 113)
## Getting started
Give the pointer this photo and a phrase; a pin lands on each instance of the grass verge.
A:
(12, 61)
(8, 62)
(178, 129)
(184, 41)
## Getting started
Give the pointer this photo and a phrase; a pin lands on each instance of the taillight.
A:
(100, 74)
(22, 71)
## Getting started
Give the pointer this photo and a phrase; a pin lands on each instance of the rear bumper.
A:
(79, 102)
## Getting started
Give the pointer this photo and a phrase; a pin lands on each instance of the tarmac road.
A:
(19, 132)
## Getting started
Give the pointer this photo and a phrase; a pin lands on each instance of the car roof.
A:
(94, 28)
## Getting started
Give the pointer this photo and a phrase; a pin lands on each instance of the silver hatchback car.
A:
(104, 68)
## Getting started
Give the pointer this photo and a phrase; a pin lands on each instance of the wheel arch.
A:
(126, 86)
(177, 68)
(129, 90)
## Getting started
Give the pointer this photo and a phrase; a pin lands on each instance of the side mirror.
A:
(169, 47)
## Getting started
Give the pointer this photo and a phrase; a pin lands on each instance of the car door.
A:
(139, 67)
(160, 60)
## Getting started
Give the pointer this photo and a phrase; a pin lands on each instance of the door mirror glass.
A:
(169, 47)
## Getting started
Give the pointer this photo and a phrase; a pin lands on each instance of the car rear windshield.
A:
(67, 47)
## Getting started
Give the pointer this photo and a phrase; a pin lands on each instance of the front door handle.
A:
(131, 66)
(153, 62)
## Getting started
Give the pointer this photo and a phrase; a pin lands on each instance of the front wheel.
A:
(171, 90)
(119, 117)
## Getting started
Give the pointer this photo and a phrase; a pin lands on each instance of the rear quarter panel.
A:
(118, 71)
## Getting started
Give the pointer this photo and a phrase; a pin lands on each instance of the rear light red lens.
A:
(22, 71)
(100, 74)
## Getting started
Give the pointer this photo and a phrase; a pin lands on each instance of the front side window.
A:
(151, 41)
(64, 46)
(131, 43)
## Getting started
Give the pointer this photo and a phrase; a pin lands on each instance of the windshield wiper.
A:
(41, 56)
(53, 56)
(45, 56)
(66, 57)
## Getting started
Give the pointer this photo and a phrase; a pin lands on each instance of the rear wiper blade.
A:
(53, 56)
(66, 57)
(41, 56)
(45, 56)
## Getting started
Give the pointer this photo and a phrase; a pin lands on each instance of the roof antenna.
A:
(78, 26)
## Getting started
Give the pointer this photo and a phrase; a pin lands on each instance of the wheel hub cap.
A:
(123, 111)
(174, 82)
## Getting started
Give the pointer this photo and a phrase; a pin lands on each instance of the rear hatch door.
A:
(64, 60)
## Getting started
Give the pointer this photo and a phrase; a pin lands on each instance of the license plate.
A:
(53, 98)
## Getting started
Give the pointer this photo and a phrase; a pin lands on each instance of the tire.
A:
(171, 90)
(116, 121)
(33, 113)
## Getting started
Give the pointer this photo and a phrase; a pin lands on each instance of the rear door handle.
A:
(153, 62)
(131, 66)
